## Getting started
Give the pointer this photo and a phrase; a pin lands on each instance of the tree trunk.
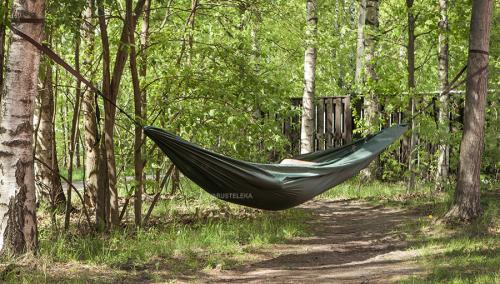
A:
(78, 162)
(139, 111)
(443, 164)
(49, 183)
(3, 24)
(120, 61)
(467, 195)
(307, 131)
(89, 111)
(371, 105)
(138, 159)
(360, 44)
(73, 134)
(64, 127)
(111, 87)
(411, 92)
(194, 7)
(18, 225)
(102, 205)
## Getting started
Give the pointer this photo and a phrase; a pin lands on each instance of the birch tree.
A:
(4, 12)
(360, 43)
(410, 55)
(307, 131)
(371, 105)
(89, 109)
(18, 225)
(443, 163)
(48, 178)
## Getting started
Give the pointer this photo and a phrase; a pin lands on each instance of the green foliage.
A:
(229, 90)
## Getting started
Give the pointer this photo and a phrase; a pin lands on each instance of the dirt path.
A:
(352, 242)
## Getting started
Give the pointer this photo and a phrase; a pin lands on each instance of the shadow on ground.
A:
(352, 242)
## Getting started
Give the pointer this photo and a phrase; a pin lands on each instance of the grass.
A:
(374, 191)
(193, 231)
(185, 247)
(451, 253)
(187, 234)
(77, 173)
(458, 253)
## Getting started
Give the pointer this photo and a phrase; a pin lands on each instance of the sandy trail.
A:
(352, 242)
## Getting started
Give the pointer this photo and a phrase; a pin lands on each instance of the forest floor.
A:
(379, 234)
(351, 242)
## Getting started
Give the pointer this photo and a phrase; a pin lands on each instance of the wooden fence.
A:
(333, 124)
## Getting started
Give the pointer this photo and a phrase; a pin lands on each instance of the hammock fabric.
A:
(272, 186)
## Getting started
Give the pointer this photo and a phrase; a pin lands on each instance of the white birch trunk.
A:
(18, 227)
(371, 105)
(89, 111)
(360, 44)
(444, 124)
(307, 129)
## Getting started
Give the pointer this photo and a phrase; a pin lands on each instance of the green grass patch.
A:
(77, 173)
(451, 253)
(367, 191)
(460, 253)
(186, 234)
(183, 247)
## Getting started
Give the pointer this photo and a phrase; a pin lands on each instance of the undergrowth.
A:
(186, 234)
(192, 231)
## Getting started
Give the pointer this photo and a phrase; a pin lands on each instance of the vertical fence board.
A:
(320, 127)
(329, 122)
(348, 120)
(337, 129)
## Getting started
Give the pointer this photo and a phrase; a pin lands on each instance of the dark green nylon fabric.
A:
(272, 186)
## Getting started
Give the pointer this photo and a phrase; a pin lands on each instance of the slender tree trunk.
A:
(411, 92)
(120, 61)
(108, 166)
(64, 127)
(73, 134)
(3, 25)
(360, 43)
(187, 39)
(109, 144)
(111, 87)
(102, 205)
(18, 225)
(467, 204)
(371, 105)
(138, 159)
(194, 7)
(48, 179)
(443, 164)
(89, 110)
(78, 162)
(139, 111)
(307, 131)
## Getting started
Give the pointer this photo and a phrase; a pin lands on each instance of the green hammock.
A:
(272, 186)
